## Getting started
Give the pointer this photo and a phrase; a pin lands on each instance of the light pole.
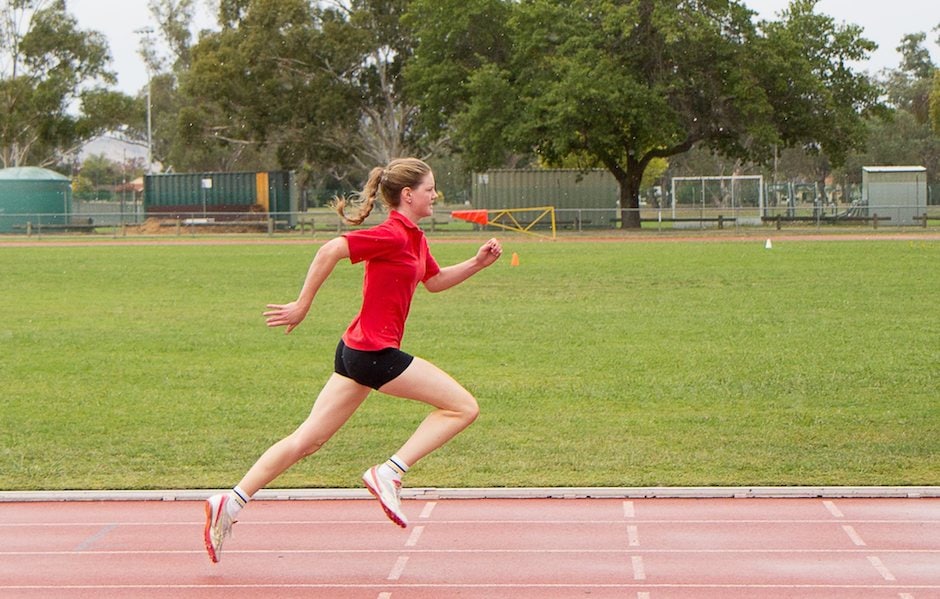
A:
(147, 53)
(149, 128)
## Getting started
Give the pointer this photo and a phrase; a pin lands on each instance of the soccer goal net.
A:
(739, 196)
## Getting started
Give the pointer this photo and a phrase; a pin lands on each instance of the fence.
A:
(131, 222)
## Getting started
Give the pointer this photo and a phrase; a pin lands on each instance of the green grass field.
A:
(595, 364)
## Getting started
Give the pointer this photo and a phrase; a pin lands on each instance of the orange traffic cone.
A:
(515, 259)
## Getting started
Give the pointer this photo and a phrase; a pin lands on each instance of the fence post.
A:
(874, 220)
(29, 228)
(270, 226)
(779, 219)
(721, 222)
(925, 220)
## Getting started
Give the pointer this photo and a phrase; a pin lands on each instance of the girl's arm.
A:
(292, 314)
(488, 253)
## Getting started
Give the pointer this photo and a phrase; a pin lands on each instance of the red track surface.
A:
(485, 548)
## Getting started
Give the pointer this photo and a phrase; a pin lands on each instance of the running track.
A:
(642, 548)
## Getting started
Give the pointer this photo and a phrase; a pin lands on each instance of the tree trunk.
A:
(630, 197)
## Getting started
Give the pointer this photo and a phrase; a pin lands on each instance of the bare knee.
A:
(469, 410)
(301, 446)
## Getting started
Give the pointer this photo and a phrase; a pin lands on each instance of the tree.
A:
(318, 83)
(909, 85)
(388, 126)
(935, 103)
(49, 66)
(903, 135)
(456, 38)
(626, 82)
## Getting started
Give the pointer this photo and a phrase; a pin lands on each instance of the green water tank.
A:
(30, 194)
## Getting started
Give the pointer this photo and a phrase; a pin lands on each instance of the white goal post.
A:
(732, 192)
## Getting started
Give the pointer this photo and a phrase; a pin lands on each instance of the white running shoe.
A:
(388, 492)
(218, 525)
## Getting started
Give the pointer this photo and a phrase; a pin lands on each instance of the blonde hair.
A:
(388, 181)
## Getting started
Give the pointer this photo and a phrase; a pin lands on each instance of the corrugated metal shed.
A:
(898, 192)
(562, 188)
(272, 192)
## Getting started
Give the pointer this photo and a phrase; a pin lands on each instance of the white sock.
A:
(237, 499)
(393, 468)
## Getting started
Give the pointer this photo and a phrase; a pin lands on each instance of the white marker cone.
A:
(768, 245)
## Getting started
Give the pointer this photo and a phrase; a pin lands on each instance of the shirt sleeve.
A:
(368, 244)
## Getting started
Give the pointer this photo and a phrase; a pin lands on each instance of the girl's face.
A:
(417, 201)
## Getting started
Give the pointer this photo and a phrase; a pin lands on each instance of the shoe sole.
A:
(388, 512)
(207, 534)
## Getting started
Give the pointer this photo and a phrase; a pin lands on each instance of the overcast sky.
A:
(883, 22)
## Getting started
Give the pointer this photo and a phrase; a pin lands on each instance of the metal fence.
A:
(130, 221)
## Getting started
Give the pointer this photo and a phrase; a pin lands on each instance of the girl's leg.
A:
(456, 407)
(338, 399)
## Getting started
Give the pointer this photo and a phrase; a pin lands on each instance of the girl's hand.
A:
(289, 315)
(489, 252)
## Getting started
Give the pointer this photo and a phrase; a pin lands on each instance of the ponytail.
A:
(366, 199)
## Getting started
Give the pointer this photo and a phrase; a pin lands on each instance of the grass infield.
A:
(595, 364)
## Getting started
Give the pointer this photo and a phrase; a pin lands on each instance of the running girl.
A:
(369, 355)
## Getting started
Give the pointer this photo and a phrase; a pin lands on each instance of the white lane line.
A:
(856, 539)
(376, 521)
(579, 586)
(833, 509)
(415, 535)
(885, 573)
(642, 595)
(84, 545)
(905, 596)
(633, 536)
(428, 508)
(399, 568)
(639, 572)
(628, 510)
(384, 596)
(93, 552)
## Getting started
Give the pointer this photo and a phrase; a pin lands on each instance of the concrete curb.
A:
(489, 493)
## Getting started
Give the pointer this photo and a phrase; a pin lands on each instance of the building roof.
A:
(31, 173)
(894, 169)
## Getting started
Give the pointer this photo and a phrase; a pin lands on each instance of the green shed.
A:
(218, 193)
(30, 194)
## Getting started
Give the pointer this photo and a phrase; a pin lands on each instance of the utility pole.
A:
(147, 53)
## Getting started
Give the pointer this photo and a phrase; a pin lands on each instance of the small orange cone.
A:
(515, 259)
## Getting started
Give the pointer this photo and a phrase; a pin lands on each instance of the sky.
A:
(883, 22)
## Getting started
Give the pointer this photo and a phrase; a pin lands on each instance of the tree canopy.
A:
(50, 65)
(320, 85)
(625, 82)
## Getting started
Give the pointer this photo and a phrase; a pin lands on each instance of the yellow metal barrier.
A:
(506, 219)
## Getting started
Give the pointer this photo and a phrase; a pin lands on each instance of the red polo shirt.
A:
(397, 258)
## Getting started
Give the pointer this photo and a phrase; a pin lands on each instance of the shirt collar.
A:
(403, 219)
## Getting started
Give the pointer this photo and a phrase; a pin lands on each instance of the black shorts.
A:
(370, 368)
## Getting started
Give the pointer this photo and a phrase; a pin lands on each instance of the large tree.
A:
(319, 82)
(52, 84)
(626, 82)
